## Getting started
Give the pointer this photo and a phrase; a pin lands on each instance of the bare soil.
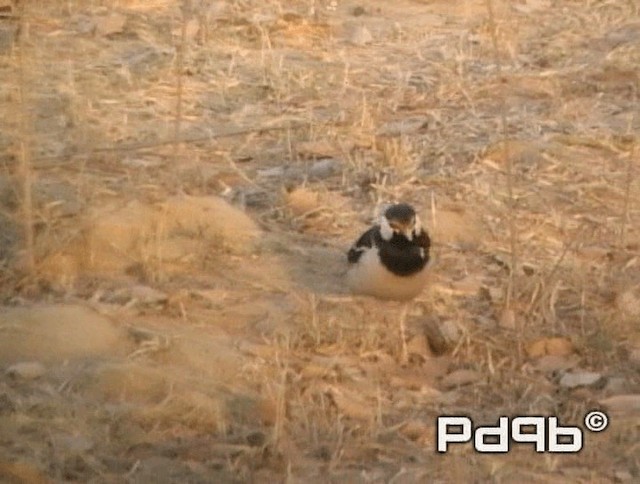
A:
(197, 176)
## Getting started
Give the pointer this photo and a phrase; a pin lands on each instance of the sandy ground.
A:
(187, 318)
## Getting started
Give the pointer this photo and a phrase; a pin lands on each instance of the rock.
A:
(29, 370)
(437, 341)
(302, 201)
(579, 378)
(550, 346)
(323, 169)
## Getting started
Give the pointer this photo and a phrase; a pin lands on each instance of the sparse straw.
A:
(507, 156)
(513, 245)
(631, 156)
(404, 312)
(144, 145)
(186, 14)
(26, 172)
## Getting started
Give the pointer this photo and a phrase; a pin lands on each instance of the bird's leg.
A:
(403, 337)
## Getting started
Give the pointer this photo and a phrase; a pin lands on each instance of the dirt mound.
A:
(152, 239)
(147, 389)
(56, 333)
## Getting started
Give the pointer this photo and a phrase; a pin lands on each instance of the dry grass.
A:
(511, 125)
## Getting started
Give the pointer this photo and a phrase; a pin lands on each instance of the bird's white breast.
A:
(368, 276)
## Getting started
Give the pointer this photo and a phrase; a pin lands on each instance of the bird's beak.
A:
(404, 228)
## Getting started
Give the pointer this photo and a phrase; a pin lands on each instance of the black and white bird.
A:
(389, 261)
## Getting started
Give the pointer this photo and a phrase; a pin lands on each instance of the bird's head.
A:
(401, 219)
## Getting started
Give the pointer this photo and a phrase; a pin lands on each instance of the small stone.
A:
(322, 169)
(550, 346)
(302, 201)
(579, 378)
(437, 341)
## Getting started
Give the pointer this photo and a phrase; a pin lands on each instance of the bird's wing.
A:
(423, 240)
(366, 241)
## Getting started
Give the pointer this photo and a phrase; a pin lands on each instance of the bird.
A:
(389, 261)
